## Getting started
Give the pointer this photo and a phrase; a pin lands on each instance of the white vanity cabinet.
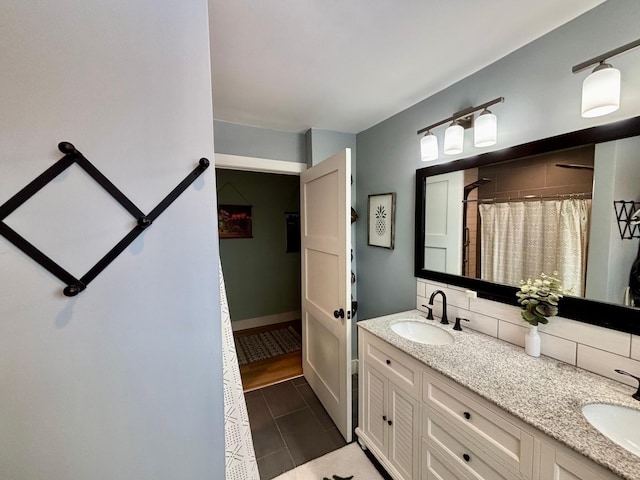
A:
(389, 420)
(474, 435)
(557, 462)
(422, 425)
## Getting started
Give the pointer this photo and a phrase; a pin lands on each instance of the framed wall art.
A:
(234, 221)
(292, 221)
(381, 220)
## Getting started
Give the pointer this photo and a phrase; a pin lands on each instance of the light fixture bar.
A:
(605, 56)
(461, 114)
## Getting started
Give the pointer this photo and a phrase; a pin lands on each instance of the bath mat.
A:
(349, 462)
(262, 346)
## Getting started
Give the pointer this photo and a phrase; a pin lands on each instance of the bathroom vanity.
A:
(480, 408)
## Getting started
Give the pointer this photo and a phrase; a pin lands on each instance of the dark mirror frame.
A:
(608, 315)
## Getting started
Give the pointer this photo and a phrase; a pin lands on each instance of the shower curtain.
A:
(240, 458)
(520, 240)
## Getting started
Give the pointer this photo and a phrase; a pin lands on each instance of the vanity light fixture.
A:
(485, 134)
(429, 147)
(485, 130)
(454, 139)
(601, 89)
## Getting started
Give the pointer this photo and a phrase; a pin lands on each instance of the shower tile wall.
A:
(540, 175)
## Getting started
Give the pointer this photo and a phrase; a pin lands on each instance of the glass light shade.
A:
(454, 139)
(601, 92)
(429, 147)
(485, 130)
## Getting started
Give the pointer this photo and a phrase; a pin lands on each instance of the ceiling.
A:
(346, 65)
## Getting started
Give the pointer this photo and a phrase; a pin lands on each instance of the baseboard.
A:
(354, 366)
(266, 320)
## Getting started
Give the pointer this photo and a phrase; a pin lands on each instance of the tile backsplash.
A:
(593, 348)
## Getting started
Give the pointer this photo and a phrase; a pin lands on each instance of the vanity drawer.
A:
(441, 439)
(507, 443)
(435, 467)
(404, 371)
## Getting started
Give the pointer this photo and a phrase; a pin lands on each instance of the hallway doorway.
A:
(260, 256)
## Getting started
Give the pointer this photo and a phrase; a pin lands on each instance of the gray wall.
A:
(247, 141)
(261, 278)
(617, 170)
(542, 98)
(123, 381)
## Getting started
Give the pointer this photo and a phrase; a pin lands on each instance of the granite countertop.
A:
(545, 393)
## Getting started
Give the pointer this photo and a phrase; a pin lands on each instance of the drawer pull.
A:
(467, 415)
(384, 417)
(388, 362)
(466, 457)
(390, 422)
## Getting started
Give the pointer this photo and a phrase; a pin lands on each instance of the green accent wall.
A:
(261, 278)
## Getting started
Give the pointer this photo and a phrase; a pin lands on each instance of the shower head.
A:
(474, 185)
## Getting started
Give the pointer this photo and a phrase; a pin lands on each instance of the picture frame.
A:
(235, 221)
(381, 220)
(292, 222)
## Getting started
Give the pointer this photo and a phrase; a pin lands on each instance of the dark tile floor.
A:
(290, 426)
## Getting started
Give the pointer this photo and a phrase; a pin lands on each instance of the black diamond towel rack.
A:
(71, 156)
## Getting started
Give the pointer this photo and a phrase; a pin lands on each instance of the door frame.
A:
(257, 164)
(267, 165)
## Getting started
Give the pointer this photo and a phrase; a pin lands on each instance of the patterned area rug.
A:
(348, 463)
(261, 346)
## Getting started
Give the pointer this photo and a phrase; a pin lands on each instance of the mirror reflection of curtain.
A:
(520, 240)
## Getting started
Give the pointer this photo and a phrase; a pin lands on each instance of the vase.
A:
(532, 342)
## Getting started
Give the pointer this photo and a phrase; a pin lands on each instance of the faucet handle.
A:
(430, 314)
(637, 394)
(457, 325)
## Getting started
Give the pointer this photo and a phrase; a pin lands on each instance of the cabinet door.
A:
(375, 408)
(404, 432)
(560, 465)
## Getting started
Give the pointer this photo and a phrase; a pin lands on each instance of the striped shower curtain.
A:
(240, 458)
(520, 240)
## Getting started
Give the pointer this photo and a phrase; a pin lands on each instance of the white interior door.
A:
(443, 223)
(325, 192)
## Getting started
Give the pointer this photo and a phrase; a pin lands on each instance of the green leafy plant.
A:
(539, 298)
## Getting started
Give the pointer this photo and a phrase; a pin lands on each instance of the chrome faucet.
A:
(444, 320)
(637, 394)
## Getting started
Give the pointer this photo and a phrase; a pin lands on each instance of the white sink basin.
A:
(620, 424)
(422, 332)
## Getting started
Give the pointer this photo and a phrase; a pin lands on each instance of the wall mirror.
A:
(486, 222)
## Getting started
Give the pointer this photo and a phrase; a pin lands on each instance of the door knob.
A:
(338, 313)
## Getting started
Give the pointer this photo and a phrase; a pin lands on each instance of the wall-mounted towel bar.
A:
(71, 156)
